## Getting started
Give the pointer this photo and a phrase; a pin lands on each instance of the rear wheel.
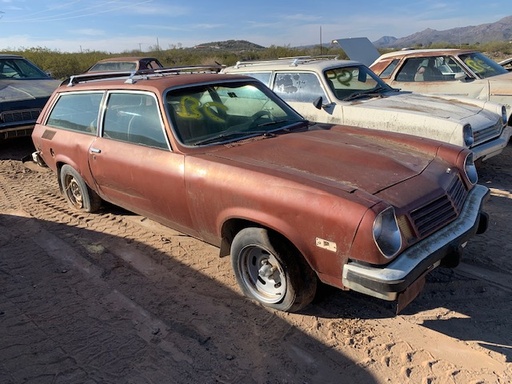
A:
(271, 271)
(76, 191)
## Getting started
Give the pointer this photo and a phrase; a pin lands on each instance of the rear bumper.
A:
(494, 147)
(388, 281)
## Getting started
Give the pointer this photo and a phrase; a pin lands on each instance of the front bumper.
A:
(389, 281)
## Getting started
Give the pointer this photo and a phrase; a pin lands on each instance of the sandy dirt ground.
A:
(112, 297)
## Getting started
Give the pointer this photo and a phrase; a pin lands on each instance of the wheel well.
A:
(231, 227)
(59, 167)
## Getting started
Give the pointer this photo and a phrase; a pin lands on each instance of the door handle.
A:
(95, 150)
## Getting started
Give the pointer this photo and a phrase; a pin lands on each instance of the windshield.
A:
(482, 65)
(346, 82)
(19, 68)
(229, 111)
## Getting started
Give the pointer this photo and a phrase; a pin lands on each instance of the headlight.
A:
(386, 233)
(470, 169)
(504, 114)
(467, 133)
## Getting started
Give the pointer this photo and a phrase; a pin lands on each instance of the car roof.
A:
(425, 52)
(293, 63)
(9, 56)
(126, 58)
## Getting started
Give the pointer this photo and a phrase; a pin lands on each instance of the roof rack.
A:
(294, 60)
(142, 73)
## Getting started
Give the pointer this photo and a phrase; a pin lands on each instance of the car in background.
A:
(223, 159)
(132, 63)
(24, 90)
(454, 72)
(347, 92)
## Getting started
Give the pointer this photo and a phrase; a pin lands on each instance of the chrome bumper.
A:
(493, 147)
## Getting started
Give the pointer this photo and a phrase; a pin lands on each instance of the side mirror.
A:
(318, 102)
(460, 76)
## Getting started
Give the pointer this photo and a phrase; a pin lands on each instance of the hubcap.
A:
(262, 274)
(74, 192)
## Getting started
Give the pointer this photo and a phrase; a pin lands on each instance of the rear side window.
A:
(264, 77)
(298, 87)
(76, 112)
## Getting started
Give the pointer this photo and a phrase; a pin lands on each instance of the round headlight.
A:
(386, 233)
(470, 169)
(467, 133)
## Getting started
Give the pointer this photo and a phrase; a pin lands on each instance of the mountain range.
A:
(501, 30)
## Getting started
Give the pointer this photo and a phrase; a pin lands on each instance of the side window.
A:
(299, 87)
(386, 73)
(76, 112)
(409, 69)
(134, 118)
(264, 77)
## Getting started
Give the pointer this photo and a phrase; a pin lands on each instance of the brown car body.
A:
(318, 191)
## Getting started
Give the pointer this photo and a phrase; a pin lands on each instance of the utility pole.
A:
(321, 47)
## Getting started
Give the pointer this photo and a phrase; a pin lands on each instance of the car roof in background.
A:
(127, 58)
(317, 62)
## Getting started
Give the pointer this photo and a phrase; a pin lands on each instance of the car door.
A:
(132, 163)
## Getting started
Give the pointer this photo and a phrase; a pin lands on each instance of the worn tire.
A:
(77, 192)
(271, 271)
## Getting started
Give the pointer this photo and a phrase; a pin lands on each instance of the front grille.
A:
(19, 116)
(440, 211)
(483, 135)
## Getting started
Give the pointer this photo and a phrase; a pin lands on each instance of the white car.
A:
(348, 92)
(455, 72)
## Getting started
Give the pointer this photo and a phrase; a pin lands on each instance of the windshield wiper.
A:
(368, 93)
(233, 135)
(288, 127)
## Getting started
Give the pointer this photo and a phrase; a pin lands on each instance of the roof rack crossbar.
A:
(142, 72)
(294, 60)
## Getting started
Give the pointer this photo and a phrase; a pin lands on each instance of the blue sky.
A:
(124, 25)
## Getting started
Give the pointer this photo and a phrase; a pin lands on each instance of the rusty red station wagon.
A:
(223, 159)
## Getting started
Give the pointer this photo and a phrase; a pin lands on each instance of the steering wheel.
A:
(215, 111)
(260, 115)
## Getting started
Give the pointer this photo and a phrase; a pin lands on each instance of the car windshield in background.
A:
(114, 66)
(213, 114)
(482, 65)
(14, 68)
(350, 82)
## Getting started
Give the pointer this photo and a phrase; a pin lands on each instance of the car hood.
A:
(428, 106)
(15, 90)
(344, 158)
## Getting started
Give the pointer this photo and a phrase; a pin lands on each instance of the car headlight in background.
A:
(467, 133)
(504, 114)
(470, 169)
(386, 233)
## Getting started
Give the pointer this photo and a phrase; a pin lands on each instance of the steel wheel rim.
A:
(262, 274)
(74, 192)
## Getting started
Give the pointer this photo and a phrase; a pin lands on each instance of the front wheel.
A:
(271, 271)
(76, 191)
